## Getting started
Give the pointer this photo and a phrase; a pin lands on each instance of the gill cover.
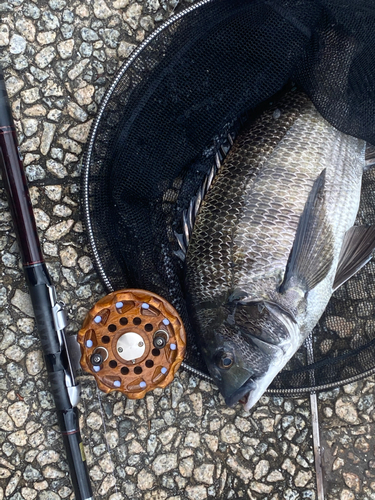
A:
(279, 353)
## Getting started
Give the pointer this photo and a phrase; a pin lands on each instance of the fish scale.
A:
(223, 206)
(250, 207)
(290, 180)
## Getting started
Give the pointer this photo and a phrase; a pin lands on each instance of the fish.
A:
(268, 239)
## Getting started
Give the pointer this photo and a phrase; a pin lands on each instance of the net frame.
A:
(306, 352)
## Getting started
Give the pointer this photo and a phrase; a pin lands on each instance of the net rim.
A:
(86, 165)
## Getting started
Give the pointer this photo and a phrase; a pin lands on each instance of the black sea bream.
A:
(273, 238)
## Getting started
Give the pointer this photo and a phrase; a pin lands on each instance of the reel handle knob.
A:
(160, 339)
(132, 341)
(96, 359)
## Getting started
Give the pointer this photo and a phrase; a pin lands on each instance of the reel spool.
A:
(132, 341)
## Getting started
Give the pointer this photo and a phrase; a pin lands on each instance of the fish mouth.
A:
(245, 389)
(253, 385)
(248, 394)
(259, 386)
(253, 396)
(280, 355)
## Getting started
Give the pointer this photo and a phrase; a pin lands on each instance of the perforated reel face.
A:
(132, 341)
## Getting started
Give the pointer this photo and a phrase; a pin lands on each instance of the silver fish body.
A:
(263, 256)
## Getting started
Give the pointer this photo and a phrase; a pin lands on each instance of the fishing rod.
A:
(50, 316)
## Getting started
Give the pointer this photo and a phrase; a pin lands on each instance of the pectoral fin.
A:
(359, 242)
(312, 253)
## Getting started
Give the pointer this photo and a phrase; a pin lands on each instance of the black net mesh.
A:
(168, 112)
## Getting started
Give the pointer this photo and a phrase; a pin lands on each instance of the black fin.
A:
(312, 252)
(190, 214)
(359, 242)
(369, 156)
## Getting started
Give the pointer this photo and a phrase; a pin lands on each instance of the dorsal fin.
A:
(189, 215)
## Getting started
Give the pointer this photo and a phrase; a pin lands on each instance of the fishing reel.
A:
(132, 341)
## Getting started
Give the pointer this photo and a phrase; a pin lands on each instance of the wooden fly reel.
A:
(132, 341)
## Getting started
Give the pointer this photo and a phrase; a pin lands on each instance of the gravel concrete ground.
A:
(180, 443)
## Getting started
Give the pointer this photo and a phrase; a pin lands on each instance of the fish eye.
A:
(226, 361)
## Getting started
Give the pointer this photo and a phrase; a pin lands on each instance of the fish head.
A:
(248, 347)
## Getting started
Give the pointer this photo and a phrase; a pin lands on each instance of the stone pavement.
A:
(180, 443)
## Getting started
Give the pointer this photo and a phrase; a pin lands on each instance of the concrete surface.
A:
(179, 443)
